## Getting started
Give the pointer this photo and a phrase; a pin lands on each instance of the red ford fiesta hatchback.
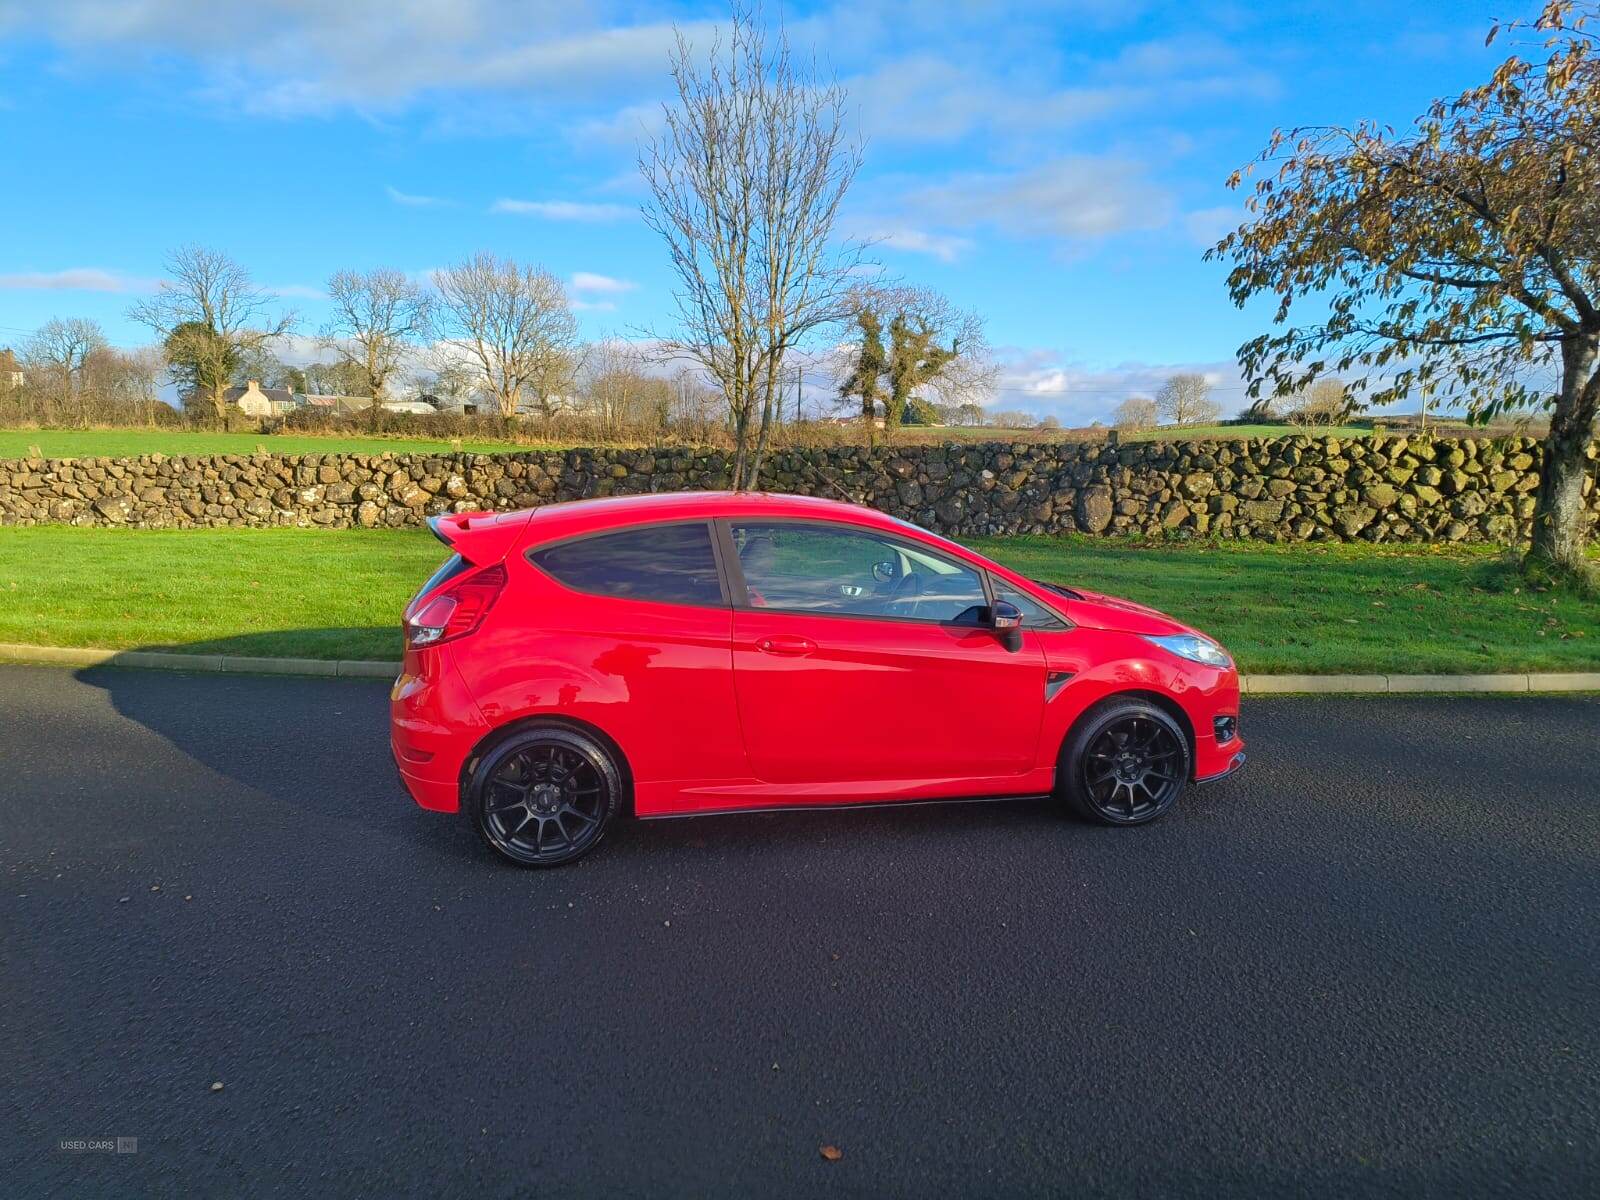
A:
(701, 652)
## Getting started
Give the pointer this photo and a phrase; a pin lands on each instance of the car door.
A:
(860, 666)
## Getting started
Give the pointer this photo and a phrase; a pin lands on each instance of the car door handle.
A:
(792, 647)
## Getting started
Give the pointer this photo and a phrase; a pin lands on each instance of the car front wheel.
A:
(544, 795)
(1126, 762)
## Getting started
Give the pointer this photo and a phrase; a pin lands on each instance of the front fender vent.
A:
(1054, 681)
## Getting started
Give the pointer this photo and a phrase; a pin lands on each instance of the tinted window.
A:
(1034, 614)
(670, 563)
(817, 568)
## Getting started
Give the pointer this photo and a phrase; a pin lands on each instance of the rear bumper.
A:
(433, 726)
(439, 795)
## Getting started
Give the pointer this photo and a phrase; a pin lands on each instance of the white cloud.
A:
(81, 279)
(927, 98)
(1013, 93)
(409, 200)
(944, 247)
(1041, 382)
(287, 57)
(628, 126)
(563, 210)
(1206, 226)
(589, 281)
(1076, 199)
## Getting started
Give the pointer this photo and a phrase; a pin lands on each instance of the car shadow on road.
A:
(378, 642)
(317, 747)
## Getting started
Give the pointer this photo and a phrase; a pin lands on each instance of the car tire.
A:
(545, 795)
(1125, 762)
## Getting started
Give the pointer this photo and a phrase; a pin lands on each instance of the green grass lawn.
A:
(338, 594)
(1334, 607)
(121, 443)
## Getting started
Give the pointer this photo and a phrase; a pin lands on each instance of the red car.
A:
(703, 652)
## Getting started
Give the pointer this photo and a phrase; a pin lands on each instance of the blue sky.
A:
(1058, 167)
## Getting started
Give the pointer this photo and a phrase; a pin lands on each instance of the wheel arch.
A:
(1157, 699)
(500, 733)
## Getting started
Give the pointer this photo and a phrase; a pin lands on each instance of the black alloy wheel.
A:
(1125, 763)
(544, 796)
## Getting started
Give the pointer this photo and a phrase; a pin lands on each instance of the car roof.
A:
(583, 516)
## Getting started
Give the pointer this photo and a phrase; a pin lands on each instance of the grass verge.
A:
(331, 594)
(130, 443)
(1229, 433)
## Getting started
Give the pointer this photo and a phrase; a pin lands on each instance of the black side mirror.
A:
(1005, 619)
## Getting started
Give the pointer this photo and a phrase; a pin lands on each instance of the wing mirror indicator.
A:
(1005, 619)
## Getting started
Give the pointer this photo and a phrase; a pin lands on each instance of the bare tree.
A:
(1326, 402)
(516, 324)
(449, 378)
(1135, 413)
(696, 411)
(968, 412)
(1185, 399)
(61, 351)
(746, 181)
(378, 316)
(140, 379)
(207, 316)
(621, 393)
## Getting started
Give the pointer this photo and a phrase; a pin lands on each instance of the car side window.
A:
(1034, 614)
(672, 564)
(851, 572)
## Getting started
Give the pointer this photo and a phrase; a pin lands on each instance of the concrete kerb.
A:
(1252, 685)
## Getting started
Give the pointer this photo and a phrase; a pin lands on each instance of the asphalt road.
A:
(1367, 966)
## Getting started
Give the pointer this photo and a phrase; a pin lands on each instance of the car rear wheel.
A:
(544, 795)
(1125, 763)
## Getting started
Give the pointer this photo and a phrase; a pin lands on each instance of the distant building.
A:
(416, 408)
(338, 405)
(256, 401)
(447, 404)
(11, 375)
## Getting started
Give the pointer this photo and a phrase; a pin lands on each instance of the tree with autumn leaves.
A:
(1457, 260)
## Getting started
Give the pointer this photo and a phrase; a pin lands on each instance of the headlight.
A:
(1195, 649)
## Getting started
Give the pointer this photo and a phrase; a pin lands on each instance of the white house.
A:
(256, 401)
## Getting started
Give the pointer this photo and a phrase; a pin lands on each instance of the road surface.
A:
(1367, 966)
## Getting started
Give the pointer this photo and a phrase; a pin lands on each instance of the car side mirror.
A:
(1005, 618)
(884, 572)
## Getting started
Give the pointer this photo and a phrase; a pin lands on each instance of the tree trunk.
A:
(1560, 525)
(761, 435)
(219, 403)
(741, 442)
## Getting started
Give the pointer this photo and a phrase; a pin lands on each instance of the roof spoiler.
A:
(481, 538)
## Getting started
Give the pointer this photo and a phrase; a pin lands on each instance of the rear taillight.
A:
(457, 610)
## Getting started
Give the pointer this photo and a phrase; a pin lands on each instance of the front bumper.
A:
(1235, 765)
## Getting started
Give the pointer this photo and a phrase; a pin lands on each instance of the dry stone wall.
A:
(1378, 489)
